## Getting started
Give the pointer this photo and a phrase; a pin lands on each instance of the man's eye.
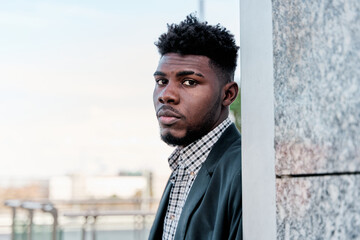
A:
(189, 82)
(161, 81)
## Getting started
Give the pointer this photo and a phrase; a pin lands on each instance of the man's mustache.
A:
(169, 108)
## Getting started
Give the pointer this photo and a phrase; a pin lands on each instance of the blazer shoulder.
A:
(226, 152)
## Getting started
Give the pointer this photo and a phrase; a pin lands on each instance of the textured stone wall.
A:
(316, 48)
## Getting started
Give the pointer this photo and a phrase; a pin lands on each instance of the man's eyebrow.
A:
(158, 73)
(184, 73)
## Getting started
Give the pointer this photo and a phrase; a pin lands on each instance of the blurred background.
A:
(80, 149)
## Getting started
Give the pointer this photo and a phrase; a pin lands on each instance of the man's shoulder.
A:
(231, 158)
(230, 142)
(226, 153)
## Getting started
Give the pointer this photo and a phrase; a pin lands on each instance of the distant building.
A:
(77, 187)
(23, 189)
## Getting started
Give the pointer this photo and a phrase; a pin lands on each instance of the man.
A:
(194, 87)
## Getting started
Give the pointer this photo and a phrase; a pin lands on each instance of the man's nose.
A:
(169, 94)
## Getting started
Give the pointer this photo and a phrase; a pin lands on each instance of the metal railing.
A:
(94, 215)
(31, 206)
(89, 218)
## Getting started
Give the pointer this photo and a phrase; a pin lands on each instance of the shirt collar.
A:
(201, 146)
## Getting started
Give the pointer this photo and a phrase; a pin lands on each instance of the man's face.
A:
(187, 98)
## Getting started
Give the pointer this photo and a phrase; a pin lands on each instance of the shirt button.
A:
(172, 217)
(192, 173)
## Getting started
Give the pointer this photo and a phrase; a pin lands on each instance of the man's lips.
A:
(167, 120)
(167, 116)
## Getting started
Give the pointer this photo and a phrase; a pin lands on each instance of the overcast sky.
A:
(76, 83)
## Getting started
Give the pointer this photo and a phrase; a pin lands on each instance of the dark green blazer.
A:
(213, 208)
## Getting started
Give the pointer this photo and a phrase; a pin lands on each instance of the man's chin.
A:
(173, 141)
(180, 141)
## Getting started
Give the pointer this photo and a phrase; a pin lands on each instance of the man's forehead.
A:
(176, 61)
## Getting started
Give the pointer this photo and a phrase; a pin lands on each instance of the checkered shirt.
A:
(185, 164)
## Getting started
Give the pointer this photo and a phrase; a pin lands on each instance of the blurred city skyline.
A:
(76, 84)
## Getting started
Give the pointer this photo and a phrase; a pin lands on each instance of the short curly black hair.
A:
(192, 37)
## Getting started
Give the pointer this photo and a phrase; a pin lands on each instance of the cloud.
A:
(21, 20)
(61, 9)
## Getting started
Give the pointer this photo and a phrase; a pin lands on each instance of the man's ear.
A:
(231, 91)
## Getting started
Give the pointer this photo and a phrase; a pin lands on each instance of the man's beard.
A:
(190, 136)
(194, 134)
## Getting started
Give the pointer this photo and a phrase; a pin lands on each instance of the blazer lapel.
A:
(157, 227)
(196, 193)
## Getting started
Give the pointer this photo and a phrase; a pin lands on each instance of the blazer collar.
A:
(230, 135)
